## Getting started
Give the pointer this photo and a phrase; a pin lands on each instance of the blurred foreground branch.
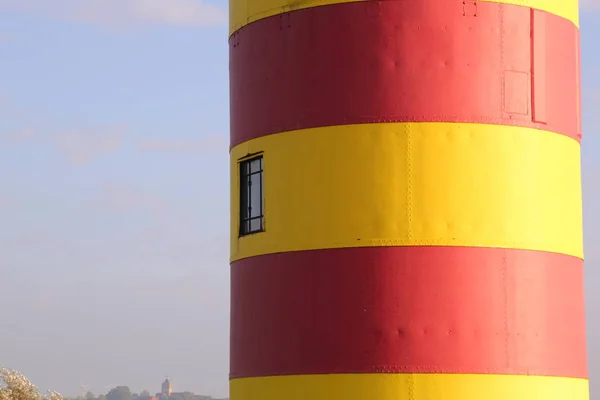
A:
(15, 386)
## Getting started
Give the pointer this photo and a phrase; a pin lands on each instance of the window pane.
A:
(244, 201)
(244, 169)
(255, 224)
(255, 165)
(255, 195)
(251, 196)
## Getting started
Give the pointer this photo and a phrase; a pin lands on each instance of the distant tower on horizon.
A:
(166, 388)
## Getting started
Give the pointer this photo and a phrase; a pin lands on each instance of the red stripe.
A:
(408, 309)
(378, 61)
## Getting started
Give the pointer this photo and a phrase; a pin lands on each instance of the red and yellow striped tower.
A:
(406, 200)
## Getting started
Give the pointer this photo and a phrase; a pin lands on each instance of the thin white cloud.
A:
(80, 147)
(208, 143)
(84, 144)
(122, 14)
(16, 136)
(125, 198)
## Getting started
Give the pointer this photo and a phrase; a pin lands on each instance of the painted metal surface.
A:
(371, 64)
(416, 184)
(409, 387)
(244, 12)
(406, 309)
(422, 200)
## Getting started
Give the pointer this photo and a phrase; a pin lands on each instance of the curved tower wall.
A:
(422, 200)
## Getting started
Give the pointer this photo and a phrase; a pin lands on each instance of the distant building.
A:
(167, 393)
(166, 388)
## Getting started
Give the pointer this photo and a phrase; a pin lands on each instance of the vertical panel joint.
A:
(538, 67)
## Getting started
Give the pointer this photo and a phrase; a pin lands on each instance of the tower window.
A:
(251, 196)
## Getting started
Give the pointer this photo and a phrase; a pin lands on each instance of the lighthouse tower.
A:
(406, 213)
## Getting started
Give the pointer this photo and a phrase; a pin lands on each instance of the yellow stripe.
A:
(401, 184)
(243, 12)
(409, 386)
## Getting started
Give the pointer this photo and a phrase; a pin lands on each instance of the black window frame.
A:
(245, 195)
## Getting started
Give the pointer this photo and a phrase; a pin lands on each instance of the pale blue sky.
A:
(114, 192)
